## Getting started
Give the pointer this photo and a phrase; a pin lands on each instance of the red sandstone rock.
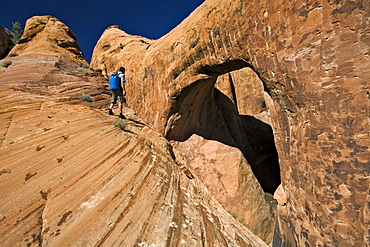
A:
(52, 75)
(44, 66)
(115, 39)
(47, 34)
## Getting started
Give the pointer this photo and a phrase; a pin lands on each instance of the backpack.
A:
(114, 81)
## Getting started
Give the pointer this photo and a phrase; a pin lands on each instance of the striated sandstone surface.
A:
(5, 42)
(47, 34)
(54, 75)
(312, 57)
(70, 175)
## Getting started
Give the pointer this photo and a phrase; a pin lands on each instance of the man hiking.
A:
(117, 85)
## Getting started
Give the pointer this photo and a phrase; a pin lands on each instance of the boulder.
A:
(5, 42)
(229, 177)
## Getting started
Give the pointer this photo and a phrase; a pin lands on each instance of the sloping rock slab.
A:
(70, 177)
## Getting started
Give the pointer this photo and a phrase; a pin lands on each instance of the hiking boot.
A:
(122, 116)
(110, 112)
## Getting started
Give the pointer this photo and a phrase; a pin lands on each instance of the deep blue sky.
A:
(88, 19)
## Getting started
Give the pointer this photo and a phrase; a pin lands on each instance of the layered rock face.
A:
(5, 42)
(53, 75)
(71, 175)
(312, 57)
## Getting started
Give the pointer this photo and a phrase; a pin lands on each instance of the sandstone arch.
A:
(313, 59)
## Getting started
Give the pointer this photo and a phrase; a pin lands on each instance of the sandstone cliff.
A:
(71, 175)
(312, 58)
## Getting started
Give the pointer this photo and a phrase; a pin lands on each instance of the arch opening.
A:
(229, 107)
(221, 125)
